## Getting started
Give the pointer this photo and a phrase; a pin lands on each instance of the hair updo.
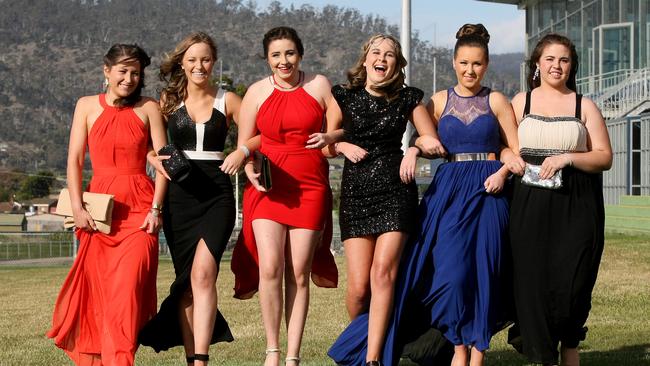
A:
(473, 35)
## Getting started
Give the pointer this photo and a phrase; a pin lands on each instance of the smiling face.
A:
(380, 62)
(470, 65)
(198, 62)
(284, 59)
(123, 77)
(555, 65)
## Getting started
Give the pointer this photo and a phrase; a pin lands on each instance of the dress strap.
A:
(527, 105)
(102, 101)
(578, 106)
(220, 101)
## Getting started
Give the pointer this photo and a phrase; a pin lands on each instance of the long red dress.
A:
(300, 197)
(110, 291)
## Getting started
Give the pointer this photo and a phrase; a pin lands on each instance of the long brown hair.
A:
(547, 40)
(175, 89)
(125, 53)
(389, 88)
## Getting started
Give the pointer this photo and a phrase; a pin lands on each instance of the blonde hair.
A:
(390, 87)
(175, 89)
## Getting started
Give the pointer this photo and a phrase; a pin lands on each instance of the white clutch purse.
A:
(531, 178)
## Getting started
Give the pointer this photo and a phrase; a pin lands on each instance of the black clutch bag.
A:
(177, 166)
(265, 172)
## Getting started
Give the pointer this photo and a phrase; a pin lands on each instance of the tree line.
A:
(52, 55)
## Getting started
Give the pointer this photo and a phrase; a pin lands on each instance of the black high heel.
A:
(373, 363)
(190, 359)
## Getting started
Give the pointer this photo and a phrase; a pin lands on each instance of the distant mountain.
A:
(52, 55)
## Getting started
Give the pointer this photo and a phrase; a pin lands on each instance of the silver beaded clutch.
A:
(531, 178)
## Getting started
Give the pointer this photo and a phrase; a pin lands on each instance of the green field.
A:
(619, 325)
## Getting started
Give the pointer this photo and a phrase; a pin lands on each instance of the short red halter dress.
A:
(301, 195)
(110, 291)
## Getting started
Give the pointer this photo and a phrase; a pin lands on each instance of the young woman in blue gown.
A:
(449, 277)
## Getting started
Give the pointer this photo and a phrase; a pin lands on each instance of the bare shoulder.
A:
(231, 97)
(88, 101)
(590, 111)
(317, 80)
(589, 105)
(498, 97)
(519, 99)
(439, 97)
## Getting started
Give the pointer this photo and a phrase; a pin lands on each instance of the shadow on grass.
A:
(632, 355)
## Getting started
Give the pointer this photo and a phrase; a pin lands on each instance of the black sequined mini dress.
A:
(374, 199)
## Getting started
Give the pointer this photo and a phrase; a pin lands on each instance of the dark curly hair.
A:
(473, 35)
(126, 53)
(547, 40)
(282, 33)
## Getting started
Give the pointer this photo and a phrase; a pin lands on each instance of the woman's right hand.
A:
(156, 162)
(83, 220)
(251, 169)
(233, 162)
(352, 152)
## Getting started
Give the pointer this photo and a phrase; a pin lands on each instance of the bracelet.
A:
(156, 206)
(245, 150)
(155, 212)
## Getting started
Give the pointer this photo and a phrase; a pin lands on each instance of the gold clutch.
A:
(98, 205)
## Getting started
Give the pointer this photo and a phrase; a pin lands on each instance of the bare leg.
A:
(569, 356)
(358, 256)
(270, 237)
(476, 358)
(298, 254)
(461, 356)
(185, 311)
(388, 251)
(204, 278)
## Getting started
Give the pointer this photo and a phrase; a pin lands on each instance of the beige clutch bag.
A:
(98, 205)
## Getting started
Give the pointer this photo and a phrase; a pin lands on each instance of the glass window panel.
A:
(630, 10)
(636, 168)
(636, 135)
(545, 14)
(616, 52)
(573, 5)
(560, 27)
(611, 11)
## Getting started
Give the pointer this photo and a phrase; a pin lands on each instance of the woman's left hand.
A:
(408, 165)
(152, 223)
(494, 183)
(233, 162)
(553, 164)
(318, 140)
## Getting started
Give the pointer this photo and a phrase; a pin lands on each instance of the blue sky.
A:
(440, 19)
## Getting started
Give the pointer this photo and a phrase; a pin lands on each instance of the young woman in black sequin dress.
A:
(378, 192)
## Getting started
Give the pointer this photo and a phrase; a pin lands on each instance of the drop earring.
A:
(105, 83)
(536, 74)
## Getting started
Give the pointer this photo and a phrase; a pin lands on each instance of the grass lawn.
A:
(619, 324)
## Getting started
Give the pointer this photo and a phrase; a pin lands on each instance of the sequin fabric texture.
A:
(373, 198)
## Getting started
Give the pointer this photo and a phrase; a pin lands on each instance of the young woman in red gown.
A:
(110, 291)
(286, 227)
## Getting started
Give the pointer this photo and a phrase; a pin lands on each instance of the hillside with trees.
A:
(52, 55)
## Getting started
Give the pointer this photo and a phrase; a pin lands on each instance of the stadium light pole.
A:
(405, 40)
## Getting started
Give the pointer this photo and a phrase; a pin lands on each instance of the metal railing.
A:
(618, 92)
(16, 246)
